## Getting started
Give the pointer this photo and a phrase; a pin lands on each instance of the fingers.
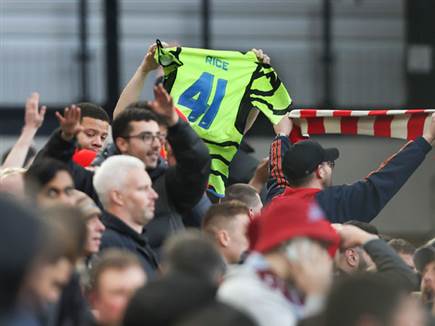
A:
(152, 48)
(32, 102)
(266, 59)
(70, 114)
(42, 111)
(76, 113)
(59, 117)
(261, 56)
(152, 104)
(161, 95)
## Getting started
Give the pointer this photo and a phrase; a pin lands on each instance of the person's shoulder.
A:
(239, 279)
(113, 238)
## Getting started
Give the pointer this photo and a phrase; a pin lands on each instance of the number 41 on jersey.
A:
(196, 98)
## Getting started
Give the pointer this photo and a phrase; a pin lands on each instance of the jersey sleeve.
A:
(268, 94)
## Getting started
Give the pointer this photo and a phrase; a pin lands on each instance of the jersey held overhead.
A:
(216, 91)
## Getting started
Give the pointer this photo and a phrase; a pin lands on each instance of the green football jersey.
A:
(216, 90)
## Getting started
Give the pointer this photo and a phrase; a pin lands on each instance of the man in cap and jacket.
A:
(305, 169)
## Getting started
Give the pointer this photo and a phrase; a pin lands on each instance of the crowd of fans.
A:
(110, 223)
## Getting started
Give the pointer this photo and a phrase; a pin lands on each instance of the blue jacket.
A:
(362, 200)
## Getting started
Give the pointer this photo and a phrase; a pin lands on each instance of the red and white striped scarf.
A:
(402, 124)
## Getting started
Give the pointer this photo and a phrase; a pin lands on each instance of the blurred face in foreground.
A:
(409, 313)
(59, 190)
(114, 289)
(47, 280)
(427, 285)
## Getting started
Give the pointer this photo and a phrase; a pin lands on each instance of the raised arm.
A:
(187, 180)
(277, 182)
(131, 92)
(364, 199)
(33, 119)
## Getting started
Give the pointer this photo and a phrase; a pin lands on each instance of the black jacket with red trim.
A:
(362, 200)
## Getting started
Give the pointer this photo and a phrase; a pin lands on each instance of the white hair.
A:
(112, 173)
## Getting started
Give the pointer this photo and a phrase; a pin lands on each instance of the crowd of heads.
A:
(77, 247)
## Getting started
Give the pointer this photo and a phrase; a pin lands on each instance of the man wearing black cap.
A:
(424, 260)
(304, 170)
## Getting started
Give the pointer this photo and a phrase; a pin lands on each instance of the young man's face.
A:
(142, 142)
(47, 280)
(114, 289)
(93, 135)
(59, 190)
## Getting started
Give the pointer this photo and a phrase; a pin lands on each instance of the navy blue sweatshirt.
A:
(362, 200)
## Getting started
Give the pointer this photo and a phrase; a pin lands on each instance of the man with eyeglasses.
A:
(304, 170)
(140, 131)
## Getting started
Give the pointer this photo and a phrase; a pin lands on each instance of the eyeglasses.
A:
(148, 137)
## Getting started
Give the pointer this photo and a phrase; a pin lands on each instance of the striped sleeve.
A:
(277, 181)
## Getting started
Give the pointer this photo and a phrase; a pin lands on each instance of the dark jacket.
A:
(120, 235)
(179, 187)
(390, 266)
(72, 308)
(362, 200)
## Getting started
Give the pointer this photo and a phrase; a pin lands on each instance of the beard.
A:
(327, 182)
(427, 294)
(362, 266)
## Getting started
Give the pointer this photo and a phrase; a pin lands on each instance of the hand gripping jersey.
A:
(216, 91)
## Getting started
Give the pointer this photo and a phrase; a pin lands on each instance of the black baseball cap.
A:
(303, 157)
(424, 255)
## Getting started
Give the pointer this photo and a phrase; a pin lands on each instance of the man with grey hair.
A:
(125, 190)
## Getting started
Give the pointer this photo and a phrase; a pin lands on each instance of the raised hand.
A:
(284, 127)
(311, 268)
(261, 56)
(34, 116)
(163, 105)
(70, 122)
(261, 174)
(429, 135)
(148, 62)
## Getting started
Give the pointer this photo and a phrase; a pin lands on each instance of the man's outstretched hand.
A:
(163, 105)
(69, 122)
